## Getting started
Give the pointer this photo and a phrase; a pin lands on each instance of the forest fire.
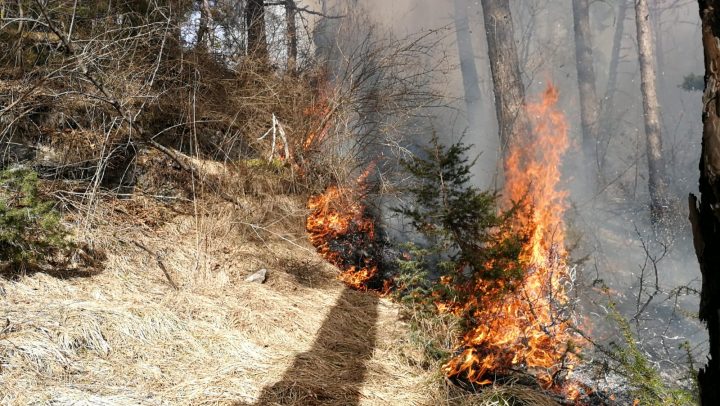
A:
(319, 112)
(525, 325)
(343, 233)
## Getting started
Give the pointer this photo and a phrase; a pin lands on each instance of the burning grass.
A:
(516, 324)
(342, 231)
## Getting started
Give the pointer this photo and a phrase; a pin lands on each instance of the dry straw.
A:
(126, 337)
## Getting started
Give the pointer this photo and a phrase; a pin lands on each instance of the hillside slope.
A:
(125, 336)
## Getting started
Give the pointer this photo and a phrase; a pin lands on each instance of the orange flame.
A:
(526, 325)
(338, 225)
(321, 112)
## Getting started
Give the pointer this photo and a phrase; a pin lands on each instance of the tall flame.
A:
(526, 325)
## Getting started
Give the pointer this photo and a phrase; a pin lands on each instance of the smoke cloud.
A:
(612, 223)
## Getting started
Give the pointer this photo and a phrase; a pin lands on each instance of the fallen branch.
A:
(159, 263)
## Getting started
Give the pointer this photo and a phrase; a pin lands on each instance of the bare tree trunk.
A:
(203, 27)
(174, 36)
(467, 62)
(705, 219)
(505, 68)
(657, 180)
(291, 34)
(589, 105)
(255, 25)
(609, 99)
(656, 18)
(487, 168)
(19, 54)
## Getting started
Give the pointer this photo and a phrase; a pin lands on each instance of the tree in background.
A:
(204, 26)
(608, 124)
(657, 177)
(705, 218)
(291, 34)
(505, 68)
(589, 105)
(489, 167)
(468, 70)
(255, 26)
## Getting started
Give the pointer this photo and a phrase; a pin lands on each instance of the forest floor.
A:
(125, 336)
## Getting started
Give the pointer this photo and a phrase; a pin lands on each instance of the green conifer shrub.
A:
(464, 236)
(30, 228)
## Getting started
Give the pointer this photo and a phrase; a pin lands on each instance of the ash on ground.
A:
(608, 386)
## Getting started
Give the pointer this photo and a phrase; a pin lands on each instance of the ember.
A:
(525, 325)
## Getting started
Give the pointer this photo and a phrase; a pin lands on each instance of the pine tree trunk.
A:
(467, 61)
(705, 219)
(657, 180)
(589, 105)
(255, 25)
(174, 36)
(488, 166)
(655, 17)
(203, 26)
(291, 35)
(615, 57)
(505, 68)
(609, 99)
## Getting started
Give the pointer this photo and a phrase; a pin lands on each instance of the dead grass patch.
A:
(126, 337)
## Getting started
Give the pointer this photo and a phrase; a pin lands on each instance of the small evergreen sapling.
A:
(465, 235)
(30, 228)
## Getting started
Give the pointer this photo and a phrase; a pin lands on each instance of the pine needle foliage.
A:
(464, 235)
(649, 388)
(30, 228)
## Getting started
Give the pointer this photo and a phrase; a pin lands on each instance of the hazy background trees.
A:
(704, 216)
(589, 103)
(657, 178)
(613, 215)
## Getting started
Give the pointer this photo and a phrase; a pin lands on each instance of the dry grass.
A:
(171, 320)
(126, 337)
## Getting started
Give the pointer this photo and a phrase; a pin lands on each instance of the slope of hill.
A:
(125, 336)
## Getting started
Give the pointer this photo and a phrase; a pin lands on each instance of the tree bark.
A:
(609, 99)
(204, 25)
(291, 34)
(505, 69)
(589, 104)
(467, 62)
(255, 25)
(657, 179)
(705, 219)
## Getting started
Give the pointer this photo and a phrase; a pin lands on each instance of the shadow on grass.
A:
(86, 263)
(333, 371)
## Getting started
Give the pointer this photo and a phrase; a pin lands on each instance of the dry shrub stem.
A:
(159, 263)
(131, 119)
